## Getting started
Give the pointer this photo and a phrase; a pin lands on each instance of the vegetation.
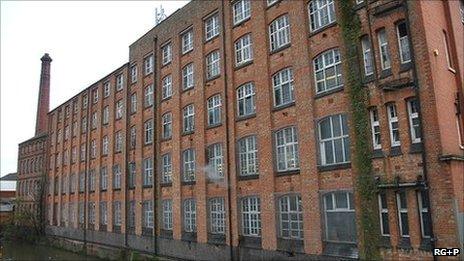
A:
(365, 186)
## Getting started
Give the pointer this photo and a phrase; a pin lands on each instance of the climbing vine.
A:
(365, 185)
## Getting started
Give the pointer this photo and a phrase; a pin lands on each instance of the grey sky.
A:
(86, 40)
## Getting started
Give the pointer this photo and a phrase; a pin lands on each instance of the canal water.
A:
(20, 251)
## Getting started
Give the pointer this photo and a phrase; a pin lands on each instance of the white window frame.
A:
(189, 207)
(148, 172)
(133, 103)
(344, 134)
(106, 115)
(166, 168)
(148, 64)
(243, 50)
(271, 2)
(119, 82)
(149, 99)
(214, 109)
(119, 109)
(217, 215)
(246, 100)
(241, 10)
(335, 208)
(147, 211)
(383, 210)
(211, 27)
(403, 43)
(166, 53)
(213, 64)
(118, 142)
(402, 210)
(106, 89)
(325, 62)
(166, 125)
(392, 119)
(384, 52)
(375, 129)
(215, 161)
(133, 137)
(367, 56)
(287, 151)
(282, 82)
(291, 217)
(117, 213)
(187, 76)
(148, 130)
(116, 176)
(251, 216)
(449, 58)
(318, 9)
(187, 41)
(166, 90)
(93, 149)
(414, 115)
(248, 156)
(188, 165)
(167, 214)
(103, 213)
(103, 178)
(134, 73)
(422, 211)
(188, 118)
(279, 33)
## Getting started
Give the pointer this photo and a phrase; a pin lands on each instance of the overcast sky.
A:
(86, 40)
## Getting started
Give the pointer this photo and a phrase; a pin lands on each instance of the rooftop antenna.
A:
(159, 15)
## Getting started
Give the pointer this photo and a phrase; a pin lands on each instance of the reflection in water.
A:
(22, 251)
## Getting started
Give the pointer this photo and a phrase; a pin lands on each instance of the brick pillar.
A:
(43, 105)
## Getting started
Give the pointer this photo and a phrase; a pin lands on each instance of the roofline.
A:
(34, 138)
(89, 87)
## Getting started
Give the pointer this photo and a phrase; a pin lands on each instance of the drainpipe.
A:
(127, 137)
(229, 196)
(155, 155)
(424, 153)
(86, 168)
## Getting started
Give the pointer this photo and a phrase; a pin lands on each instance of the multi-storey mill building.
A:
(229, 135)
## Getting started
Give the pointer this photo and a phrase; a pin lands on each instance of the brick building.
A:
(228, 135)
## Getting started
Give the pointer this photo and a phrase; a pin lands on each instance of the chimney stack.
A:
(43, 105)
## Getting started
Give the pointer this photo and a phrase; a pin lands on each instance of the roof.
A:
(10, 177)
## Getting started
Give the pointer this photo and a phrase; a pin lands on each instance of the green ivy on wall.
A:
(365, 186)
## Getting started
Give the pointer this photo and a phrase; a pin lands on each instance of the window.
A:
(217, 215)
(81, 212)
(367, 55)
(103, 213)
(167, 125)
(66, 132)
(133, 103)
(214, 110)
(106, 89)
(291, 217)
(83, 125)
(116, 176)
(81, 182)
(251, 217)
(187, 41)
(118, 142)
(148, 64)
(120, 81)
(95, 96)
(103, 178)
(279, 33)
(282, 83)
(131, 215)
(92, 180)
(72, 183)
(148, 132)
(147, 209)
(132, 174)
(340, 221)
(188, 162)
(166, 168)
(91, 216)
(106, 115)
(93, 149)
(82, 156)
(187, 77)
(248, 156)
(383, 48)
(241, 11)
(334, 142)
(414, 122)
(215, 161)
(286, 142)
(188, 119)
(393, 124)
(94, 121)
(401, 202)
(403, 42)
(166, 53)
(167, 214)
(359, 2)
(383, 212)
(212, 27)
(449, 58)
(212, 64)
(117, 213)
(119, 109)
(328, 71)
(246, 100)
(149, 95)
(321, 13)
(166, 90)
(190, 215)
(243, 50)
(423, 202)
(74, 129)
(105, 145)
(375, 129)
(85, 101)
(148, 172)
(133, 137)
(134, 73)
(271, 2)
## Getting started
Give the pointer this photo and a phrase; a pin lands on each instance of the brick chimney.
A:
(43, 105)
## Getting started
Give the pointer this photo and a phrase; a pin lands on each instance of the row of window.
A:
(30, 165)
